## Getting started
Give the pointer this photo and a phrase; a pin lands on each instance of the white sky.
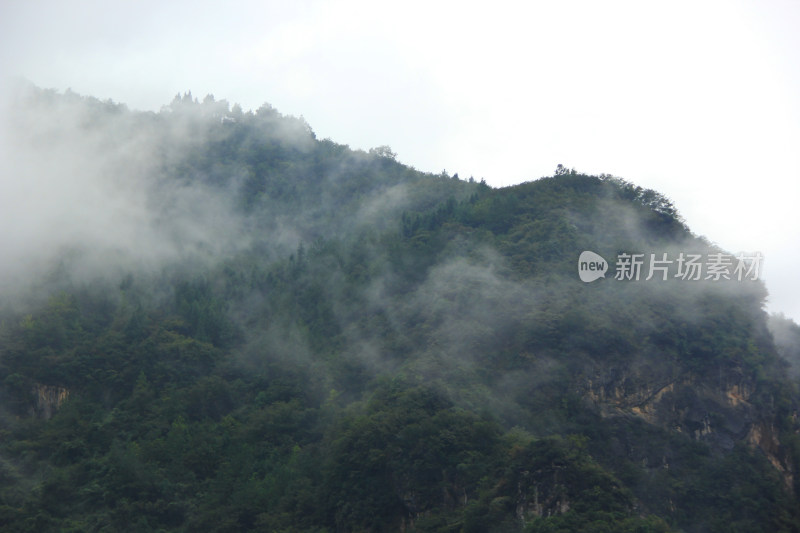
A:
(699, 100)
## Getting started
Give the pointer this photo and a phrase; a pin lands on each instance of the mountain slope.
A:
(245, 327)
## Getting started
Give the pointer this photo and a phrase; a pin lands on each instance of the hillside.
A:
(211, 320)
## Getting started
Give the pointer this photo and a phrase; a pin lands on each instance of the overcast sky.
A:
(699, 99)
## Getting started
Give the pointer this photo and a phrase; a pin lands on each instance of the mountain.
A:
(211, 320)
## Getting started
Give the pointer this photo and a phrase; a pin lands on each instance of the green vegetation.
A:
(380, 349)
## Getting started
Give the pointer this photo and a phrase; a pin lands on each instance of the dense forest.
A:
(224, 323)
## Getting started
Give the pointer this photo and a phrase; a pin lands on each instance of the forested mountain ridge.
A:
(249, 328)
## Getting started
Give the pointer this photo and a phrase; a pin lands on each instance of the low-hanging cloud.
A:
(84, 179)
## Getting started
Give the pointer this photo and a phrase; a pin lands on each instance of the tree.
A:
(383, 151)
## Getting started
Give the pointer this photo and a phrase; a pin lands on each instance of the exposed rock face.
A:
(539, 494)
(48, 399)
(765, 437)
(719, 413)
